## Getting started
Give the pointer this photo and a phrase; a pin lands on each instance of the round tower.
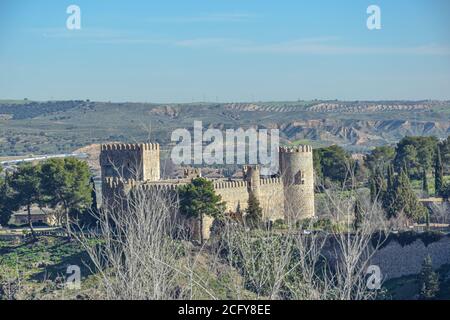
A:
(297, 174)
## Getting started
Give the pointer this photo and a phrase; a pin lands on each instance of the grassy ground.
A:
(41, 267)
(417, 184)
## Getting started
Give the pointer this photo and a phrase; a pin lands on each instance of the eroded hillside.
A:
(63, 126)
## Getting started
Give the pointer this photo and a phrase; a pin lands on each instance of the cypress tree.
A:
(427, 220)
(253, 215)
(404, 199)
(390, 178)
(425, 186)
(377, 185)
(358, 216)
(238, 208)
(373, 189)
(438, 173)
(389, 194)
(429, 281)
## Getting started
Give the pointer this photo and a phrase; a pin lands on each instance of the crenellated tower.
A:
(129, 162)
(297, 174)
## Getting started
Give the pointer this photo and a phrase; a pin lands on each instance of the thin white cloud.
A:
(329, 45)
(306, 47)
(209, 42)
(207, 17)
(102, 36)
(319, 45)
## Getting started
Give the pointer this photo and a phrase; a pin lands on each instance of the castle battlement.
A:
(114, 182)
(129, 147)
(230, 184)
(271, 181)
(298, 149)
(161, 186)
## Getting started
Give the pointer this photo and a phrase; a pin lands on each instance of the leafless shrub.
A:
(141, 254)
(353, 243)
(440, 212)
(138, 255)
(10, 285)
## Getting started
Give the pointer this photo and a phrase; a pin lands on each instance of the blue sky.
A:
(224, 50)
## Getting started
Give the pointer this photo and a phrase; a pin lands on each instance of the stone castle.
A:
(288, 195)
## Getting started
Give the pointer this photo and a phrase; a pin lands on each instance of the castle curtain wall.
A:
(272, 198)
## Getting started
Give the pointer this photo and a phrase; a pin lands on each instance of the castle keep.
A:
(289, 195)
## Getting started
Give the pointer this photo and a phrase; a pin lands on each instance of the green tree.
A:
(317, 163)
(388, 196)
(373, 189)
(445, 191)
(65, 182)
(6, 201)
(390, 178)
(380, 158)
(438, 173)
(444, 147)
(335, 163)
(425, 186)
(416, 153)
(199, 199)
(357, 223)
(253, 217)
(377, 185)
(94, 204)
(88, 216)
(405, 200)
(429, 280)
(26, 185)
(238, 208)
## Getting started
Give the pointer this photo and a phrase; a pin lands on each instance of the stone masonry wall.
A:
(396, 261)
(234, 193)
(272, 198)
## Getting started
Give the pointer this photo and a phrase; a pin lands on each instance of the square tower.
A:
(139, 162)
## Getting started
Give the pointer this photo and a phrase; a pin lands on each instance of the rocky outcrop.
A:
(362, 132)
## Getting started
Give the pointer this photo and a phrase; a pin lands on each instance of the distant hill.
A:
(64, 126)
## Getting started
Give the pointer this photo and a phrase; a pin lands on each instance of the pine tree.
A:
(199, 199)
(429, 280)
(253, 215)
(438, 173)
(27, 188)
